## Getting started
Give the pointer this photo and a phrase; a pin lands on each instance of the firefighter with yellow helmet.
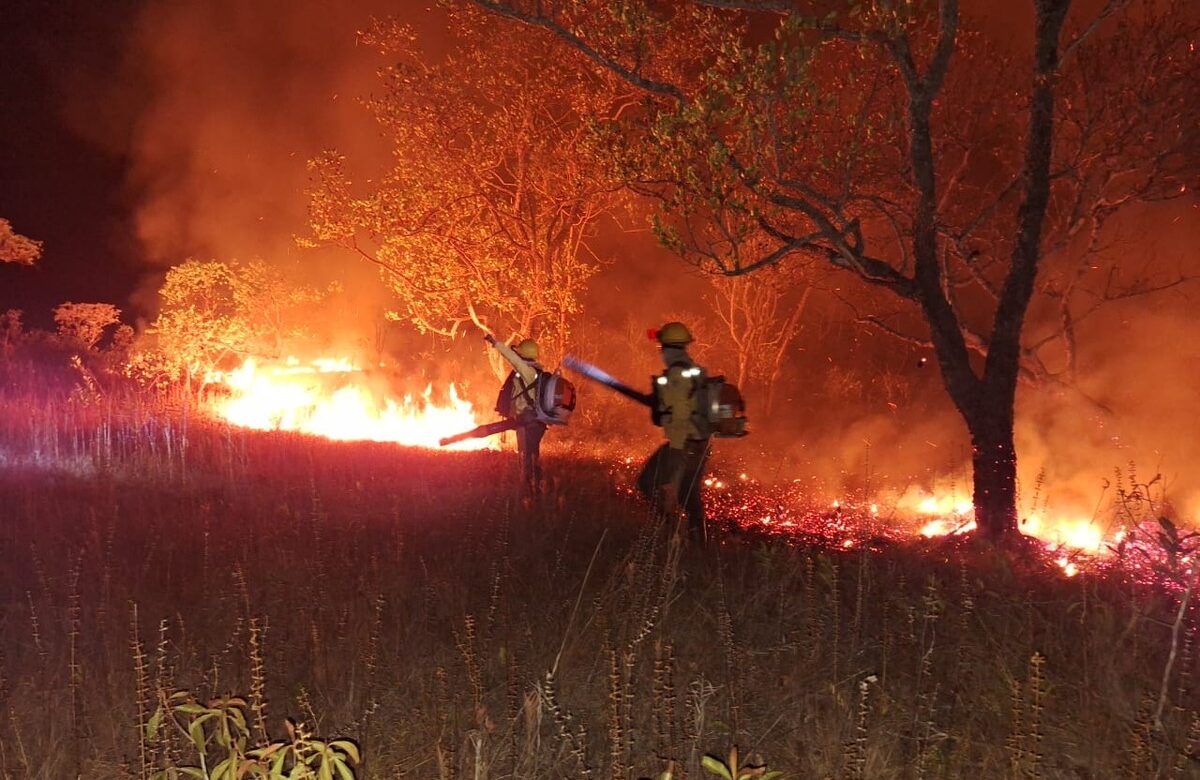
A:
(674, 474)
(518, 401)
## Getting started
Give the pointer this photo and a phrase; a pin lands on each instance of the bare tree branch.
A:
(1110, 8)
(577, 43)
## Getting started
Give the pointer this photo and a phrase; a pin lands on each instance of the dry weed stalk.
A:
(859, 602)
(1187, 657)
(833, 601)
(258, 703)
(239, 577)
(74, 670)
(3, 679)
(304, 702)
(812, 626)
(729, 651)
(512, 709)
(466, 647)
(141, 693)
(926, 699)
(1141, 747)
(493, 603)
(616, 715)
(231, 646)
(629, 660)
(575, 739)
(699, 692)
(1017, 737)
(170, 751)
(663, 702)
(21, 753)
(1037, 699)
(855, 752)
(965, 613)
(35, 628)
(1189, 747)
(445, 751)
(371, 659)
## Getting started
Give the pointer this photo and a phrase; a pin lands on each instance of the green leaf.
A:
(196, 732)
(716, 766)
(774, 774)
(349, 748)
(223, 769)
(344, 772)
(192, 771)
(191, 708)
(153, 724)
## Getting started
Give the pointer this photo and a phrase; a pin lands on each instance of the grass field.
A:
(410, 601)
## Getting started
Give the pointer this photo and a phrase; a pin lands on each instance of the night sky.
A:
(56, 185)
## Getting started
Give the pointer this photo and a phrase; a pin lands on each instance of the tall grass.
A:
(412, 601)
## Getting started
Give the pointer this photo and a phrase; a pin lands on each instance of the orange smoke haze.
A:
(236, 97)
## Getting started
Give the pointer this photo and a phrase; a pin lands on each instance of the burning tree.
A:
(16, 248)
(84, 324)
(486, 211)
(212, 310)
(889, 142)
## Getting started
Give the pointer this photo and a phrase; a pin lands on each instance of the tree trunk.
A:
(994, 460)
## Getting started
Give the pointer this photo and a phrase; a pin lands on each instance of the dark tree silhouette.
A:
(890, 142)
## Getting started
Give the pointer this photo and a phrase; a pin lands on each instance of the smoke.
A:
(230, 100)
(1133, 413)
(224, 104)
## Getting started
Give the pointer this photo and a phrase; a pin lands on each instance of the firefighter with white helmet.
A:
(518, 401)
(674, 474)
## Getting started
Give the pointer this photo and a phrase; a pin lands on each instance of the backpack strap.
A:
(687, 367)
(529, 391)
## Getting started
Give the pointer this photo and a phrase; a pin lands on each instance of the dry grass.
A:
(412, 602)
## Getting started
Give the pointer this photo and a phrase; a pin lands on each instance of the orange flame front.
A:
(301, 397)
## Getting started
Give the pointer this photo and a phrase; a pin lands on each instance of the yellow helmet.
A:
(527, 349)
(674, 334)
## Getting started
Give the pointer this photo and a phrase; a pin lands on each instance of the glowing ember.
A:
(300, 397)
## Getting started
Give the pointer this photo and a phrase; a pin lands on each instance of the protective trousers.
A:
(682, 473)
(529, 447)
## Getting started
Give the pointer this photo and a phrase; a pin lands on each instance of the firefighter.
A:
(518, 401)
(674, 474)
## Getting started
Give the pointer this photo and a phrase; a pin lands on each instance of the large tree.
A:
(891, 142)
(485, 210)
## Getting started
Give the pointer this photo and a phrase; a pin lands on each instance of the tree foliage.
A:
(891, 142)
(486, 211)
(84, 324)
(16, 248)
(212, 310)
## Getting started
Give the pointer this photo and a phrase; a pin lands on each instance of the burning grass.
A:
(335, 399)
(413, 602)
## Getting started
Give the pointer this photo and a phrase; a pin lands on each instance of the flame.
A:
(298, 397)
